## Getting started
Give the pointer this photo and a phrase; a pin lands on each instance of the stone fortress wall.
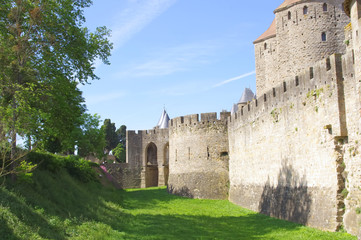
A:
(296, 40)
(292, 153)
(198, 153)
(147, 151)
(286, 149)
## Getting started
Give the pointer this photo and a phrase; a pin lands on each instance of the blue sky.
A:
(189, 56)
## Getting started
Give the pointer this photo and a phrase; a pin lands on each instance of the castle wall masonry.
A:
(285, 151)
(294, 152)
(298, 40)
(199, 156)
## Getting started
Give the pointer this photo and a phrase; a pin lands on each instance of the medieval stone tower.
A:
(302, 33)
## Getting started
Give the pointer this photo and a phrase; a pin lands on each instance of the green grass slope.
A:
(56, 205)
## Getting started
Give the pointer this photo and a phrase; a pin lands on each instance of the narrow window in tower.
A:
(265, 46)
(328, 64)
(297, 81)
(289, 15)
(324, 7)
(305, 10)
(323, 37)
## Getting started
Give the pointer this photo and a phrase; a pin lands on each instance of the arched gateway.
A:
(151, 171)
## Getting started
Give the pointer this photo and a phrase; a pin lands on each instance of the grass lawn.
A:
(56, 206)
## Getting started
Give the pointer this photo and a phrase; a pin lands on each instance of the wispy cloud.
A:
(179, 89)
(234, 79)
(137, 16)
(171, 60)
(96, 99)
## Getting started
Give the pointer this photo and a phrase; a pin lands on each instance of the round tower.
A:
(303, 32)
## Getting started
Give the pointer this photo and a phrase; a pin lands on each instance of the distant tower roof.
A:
(269, 33)
(234, 109)
(247, 96)
(163, 121)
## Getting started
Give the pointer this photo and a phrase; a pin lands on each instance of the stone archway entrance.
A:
(151, 172)
(166, 163)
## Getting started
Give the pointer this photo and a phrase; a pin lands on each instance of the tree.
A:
(111, 138)
(119, 153)
(121, 132)
(91, 139)
(44, 52)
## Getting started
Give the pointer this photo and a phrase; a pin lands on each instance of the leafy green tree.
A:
(119, 153)
(45, 52)
(91, 139)
(121, 132)
(111, 137)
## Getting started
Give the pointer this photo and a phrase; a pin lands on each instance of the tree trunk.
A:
(13, 142)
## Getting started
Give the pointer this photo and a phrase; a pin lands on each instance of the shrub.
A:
(358, 210)
(76, 166)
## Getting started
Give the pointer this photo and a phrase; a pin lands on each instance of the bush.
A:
(80, 168)
(76, 166)
(46, 161)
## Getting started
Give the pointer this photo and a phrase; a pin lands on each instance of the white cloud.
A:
(179, 89)
(172, 60)
(234, 79)
(96, 99)
(137, 16)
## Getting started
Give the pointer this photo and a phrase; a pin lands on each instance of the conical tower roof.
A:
(234, 109)
(247, 96)
(163, 121)
(269, 33)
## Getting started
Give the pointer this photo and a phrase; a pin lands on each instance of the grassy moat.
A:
(57, 206)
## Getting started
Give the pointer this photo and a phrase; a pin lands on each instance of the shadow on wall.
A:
(184, 191)
(290, 199)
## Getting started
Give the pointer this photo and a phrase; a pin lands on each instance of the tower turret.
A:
(303, 32)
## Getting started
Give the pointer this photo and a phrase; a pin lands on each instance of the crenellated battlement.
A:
(321, 74)
(193, 119)
(303, 32)
(141, 133)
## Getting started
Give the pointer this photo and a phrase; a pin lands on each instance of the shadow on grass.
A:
(92, 208)
(44, 205)
(27, 216)
(6, 231)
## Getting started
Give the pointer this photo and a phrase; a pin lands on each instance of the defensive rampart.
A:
(122, 175)
(148, 151)
(198, 153)
(305, 32)
(352, 156)
(286, 149)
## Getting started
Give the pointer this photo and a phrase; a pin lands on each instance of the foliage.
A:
(358, 210)
(91, 139)
(119, 153)
(344, 192)
(121, 132)
(76, 166)
(111, 137)
(44, 53)
(17, 166)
